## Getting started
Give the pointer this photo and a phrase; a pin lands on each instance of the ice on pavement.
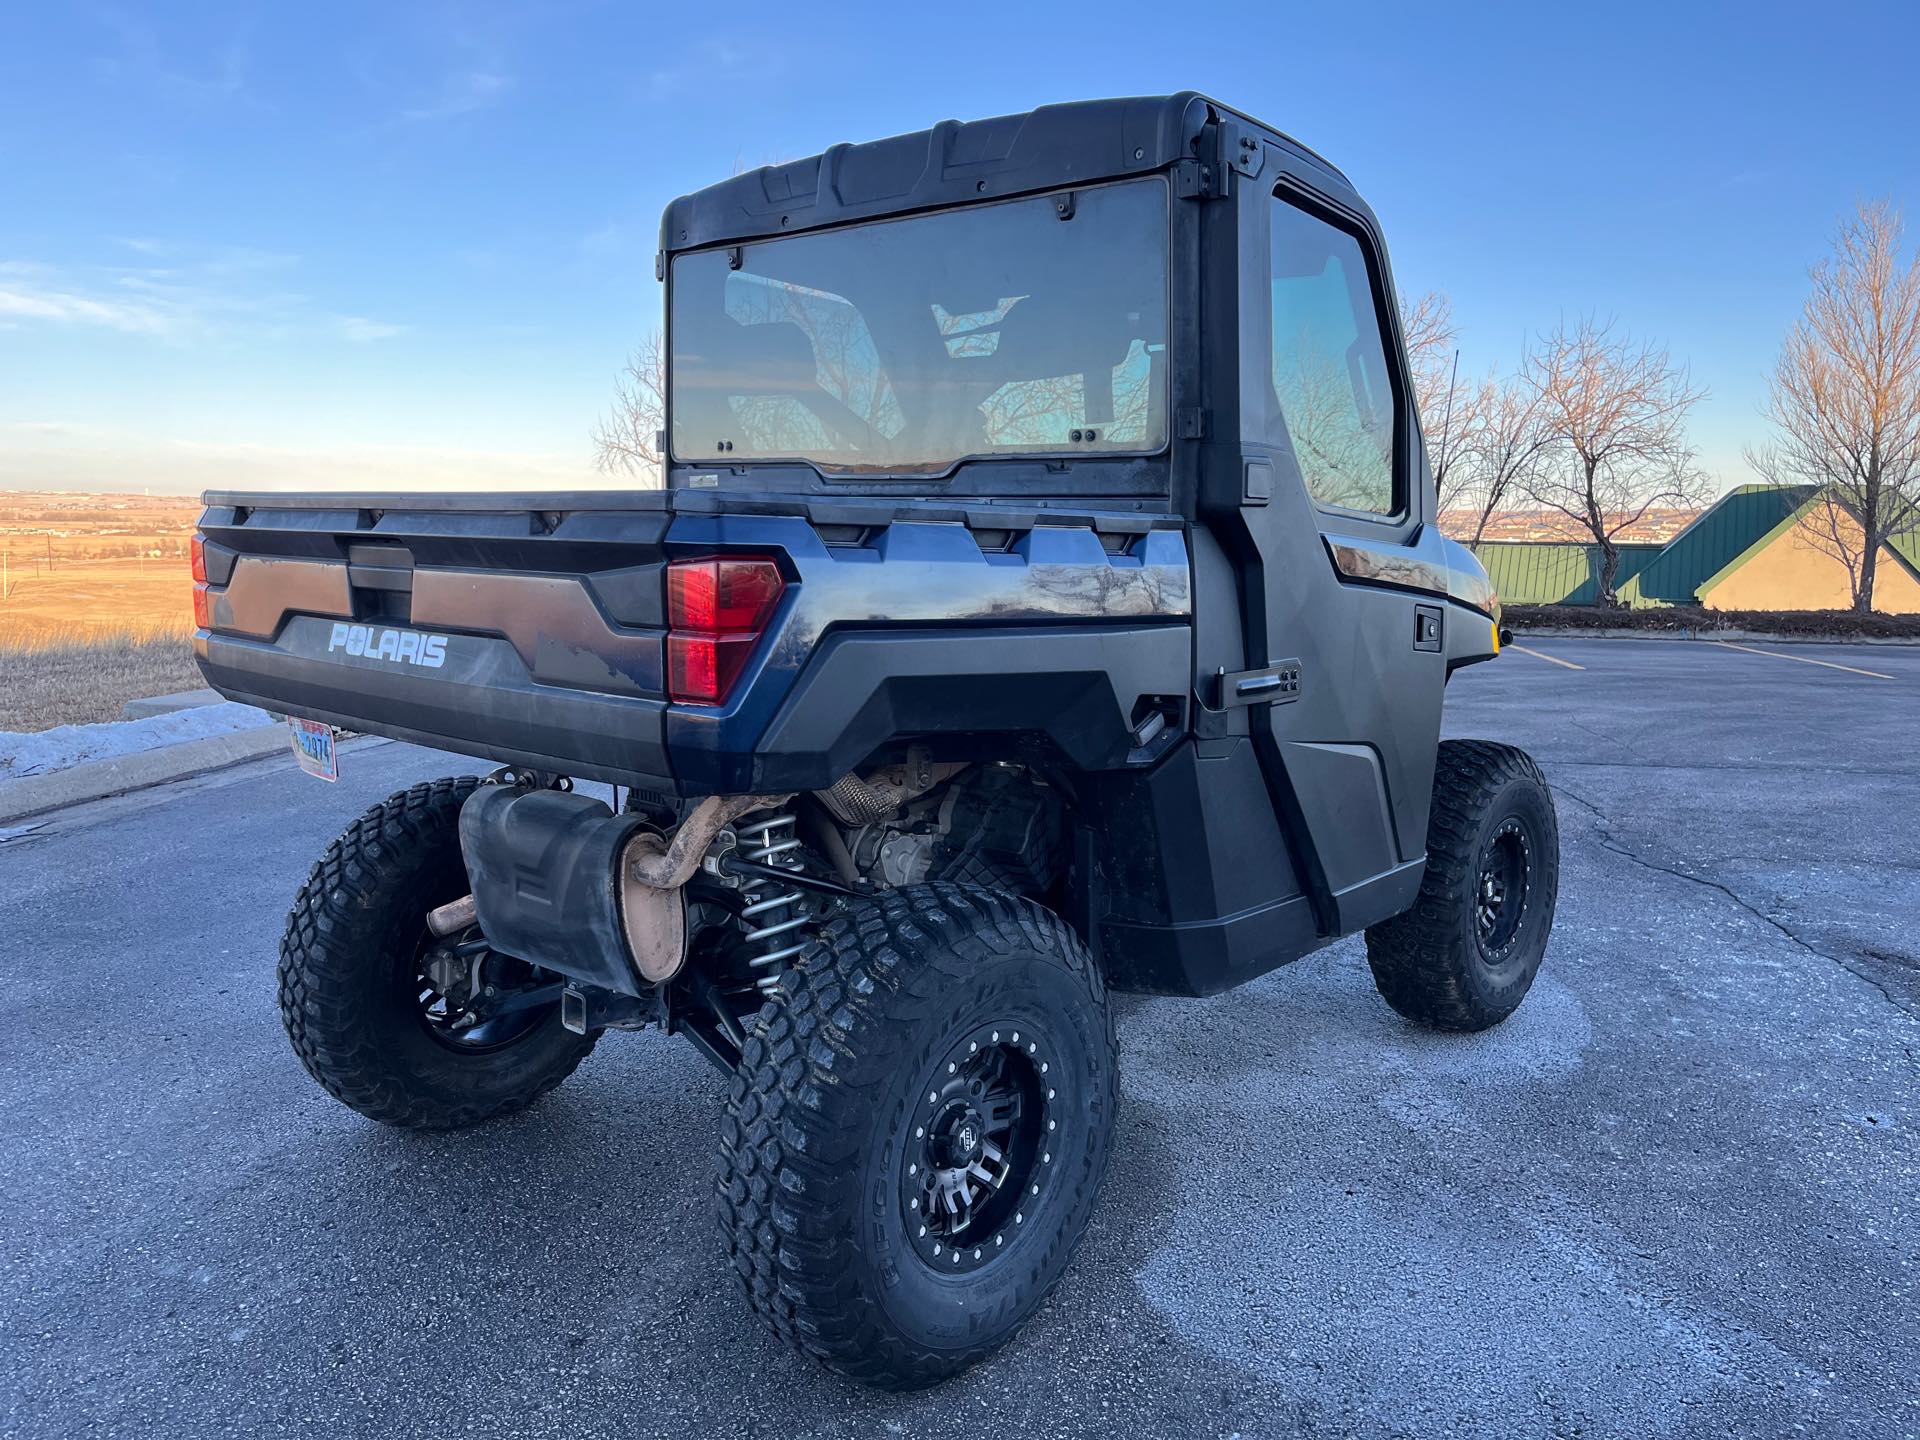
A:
(45, 751)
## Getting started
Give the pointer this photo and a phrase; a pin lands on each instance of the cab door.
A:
(1342, 582)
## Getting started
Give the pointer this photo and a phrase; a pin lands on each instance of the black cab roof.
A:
(955, 161)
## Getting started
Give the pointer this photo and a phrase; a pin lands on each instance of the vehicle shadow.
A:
(573, 1246)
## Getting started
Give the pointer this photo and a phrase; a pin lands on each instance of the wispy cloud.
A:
(197, 294)
(21, 300)
(614, 237)
(362, 331)
(700, 65)
(39, 427)
(62, 455)
(464, 92)
(138, 60)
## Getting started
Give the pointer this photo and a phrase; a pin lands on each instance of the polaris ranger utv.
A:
(1044, 601)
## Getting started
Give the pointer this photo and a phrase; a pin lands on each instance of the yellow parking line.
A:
(1550, 659)
(1775, 654)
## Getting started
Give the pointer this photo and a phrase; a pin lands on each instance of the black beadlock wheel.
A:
(1466, 953)
(917, 1131)
(380, 1012)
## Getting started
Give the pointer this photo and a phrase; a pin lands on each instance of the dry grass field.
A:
(82, 684)
(84, 567)
(95, 604)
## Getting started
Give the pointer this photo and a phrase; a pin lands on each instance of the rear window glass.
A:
(906, 346)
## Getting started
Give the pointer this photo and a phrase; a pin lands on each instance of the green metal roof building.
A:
(1738, 523)
(1742, 552)
(1552, 572)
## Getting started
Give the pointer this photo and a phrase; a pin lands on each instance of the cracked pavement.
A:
(1676, 1194)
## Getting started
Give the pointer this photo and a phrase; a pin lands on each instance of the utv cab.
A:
(1044, 600)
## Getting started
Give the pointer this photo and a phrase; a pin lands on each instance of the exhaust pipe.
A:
(562, 882)
(453, 917)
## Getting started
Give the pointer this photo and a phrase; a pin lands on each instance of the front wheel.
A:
(405, 1028)
(917, 1131)
(1464, 957)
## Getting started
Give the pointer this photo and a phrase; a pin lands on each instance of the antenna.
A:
(1447, 422)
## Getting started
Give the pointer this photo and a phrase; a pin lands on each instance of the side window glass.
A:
(1330, 364)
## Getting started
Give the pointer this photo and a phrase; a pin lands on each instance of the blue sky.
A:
(380, 244)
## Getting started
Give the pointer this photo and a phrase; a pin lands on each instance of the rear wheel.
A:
(1464, 957)
(405, 1027)
(917, 1132)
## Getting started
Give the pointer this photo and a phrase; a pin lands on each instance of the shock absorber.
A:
(772, 918)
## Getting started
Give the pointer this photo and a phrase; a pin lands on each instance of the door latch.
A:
(1428, 627)
(1273, 684)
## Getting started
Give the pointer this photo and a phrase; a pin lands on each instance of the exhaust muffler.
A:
(562, 882)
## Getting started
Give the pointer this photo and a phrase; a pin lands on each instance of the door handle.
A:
(1429, 627)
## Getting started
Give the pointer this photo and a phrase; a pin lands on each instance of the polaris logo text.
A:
(376, 642)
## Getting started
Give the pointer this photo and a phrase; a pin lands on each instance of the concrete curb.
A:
(99, 779)
(1771, 637)
(169, 704)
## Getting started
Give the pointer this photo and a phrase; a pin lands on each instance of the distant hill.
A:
(1656, 526)
(78, 567)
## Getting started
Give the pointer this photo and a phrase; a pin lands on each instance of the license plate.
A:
(313, 748)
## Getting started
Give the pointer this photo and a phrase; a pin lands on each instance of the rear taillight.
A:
(200, 606)
(716, 611)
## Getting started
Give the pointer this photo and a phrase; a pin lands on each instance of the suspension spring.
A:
(772, 917)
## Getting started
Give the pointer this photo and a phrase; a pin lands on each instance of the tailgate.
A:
(527, 630)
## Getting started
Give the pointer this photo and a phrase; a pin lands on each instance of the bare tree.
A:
(1845, 397)
(626, 440)
(1501, 447)
(1431, 335)
(1614, 413)
(1427, 322)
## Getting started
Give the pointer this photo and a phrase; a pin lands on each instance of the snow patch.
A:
(45, 751)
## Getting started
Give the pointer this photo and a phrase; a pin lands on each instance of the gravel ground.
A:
(1674, 1195)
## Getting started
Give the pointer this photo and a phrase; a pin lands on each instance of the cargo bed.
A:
(529, 629)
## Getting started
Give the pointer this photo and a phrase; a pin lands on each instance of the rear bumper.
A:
(481, 703)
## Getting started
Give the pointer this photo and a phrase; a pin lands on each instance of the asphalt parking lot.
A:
(1678, 1193)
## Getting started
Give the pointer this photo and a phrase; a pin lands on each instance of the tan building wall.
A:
(1794, 574)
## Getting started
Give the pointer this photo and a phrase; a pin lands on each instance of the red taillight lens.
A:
(201, 605)
(701, 669)
(725, 595)
(716, 609)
